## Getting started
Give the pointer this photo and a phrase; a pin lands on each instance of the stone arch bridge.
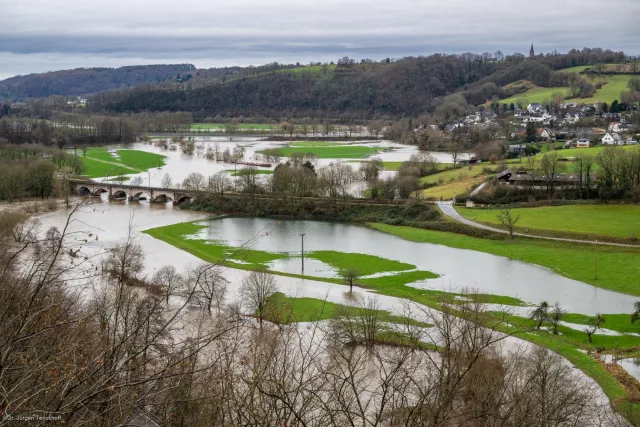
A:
(131, 192)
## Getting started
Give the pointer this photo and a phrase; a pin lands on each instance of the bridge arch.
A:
(119, 194)
(84, 191)
(138, 194)
(183, 199)
(160, 198)
(99, 191)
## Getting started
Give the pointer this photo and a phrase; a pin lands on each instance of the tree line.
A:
(35, 171)
(83, 81)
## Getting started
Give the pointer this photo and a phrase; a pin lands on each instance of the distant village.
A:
(566, 127)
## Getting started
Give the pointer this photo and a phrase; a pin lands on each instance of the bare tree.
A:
(193, 181)
(208, 285)
(136, 181)
(126, 260)
(508, 220)
(218, 183)
(455, 149)
(169, 280)
(166, 181)
(63, 188)
(257, 287)
(551, 168)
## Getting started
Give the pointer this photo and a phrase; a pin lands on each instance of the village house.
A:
(618, 127)
(544, 133)
(519, 149)
(583, 143)
(535, 108)
(611, 138)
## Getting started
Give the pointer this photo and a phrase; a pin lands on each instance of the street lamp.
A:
(302, 236)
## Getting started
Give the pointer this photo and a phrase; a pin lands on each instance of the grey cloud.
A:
(257, 31)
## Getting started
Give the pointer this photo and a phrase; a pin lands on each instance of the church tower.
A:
(532, 53)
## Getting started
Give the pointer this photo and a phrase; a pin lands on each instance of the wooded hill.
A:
(85, 81)
(406, 87)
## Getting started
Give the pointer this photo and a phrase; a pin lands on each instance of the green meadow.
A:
(606, 220)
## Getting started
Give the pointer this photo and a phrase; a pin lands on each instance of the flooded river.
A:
(458, 268)
(179, 165)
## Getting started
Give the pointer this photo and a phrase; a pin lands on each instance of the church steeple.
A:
(532, 53)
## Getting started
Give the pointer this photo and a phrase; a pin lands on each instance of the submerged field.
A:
(607, 220)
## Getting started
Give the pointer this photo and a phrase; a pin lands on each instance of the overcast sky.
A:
(46, 35)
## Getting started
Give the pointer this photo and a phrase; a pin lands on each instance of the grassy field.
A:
(606, 220)
(314, 69)
(293, 310)
(100, 163)
(316, 144)
(97, 169)
(537, 94)
(618, 267)
(365, 264)
(332, 152)
(610, 91)
(452, 189)
(454, 174)
(140, 159)
(243, 126)
(243, 172)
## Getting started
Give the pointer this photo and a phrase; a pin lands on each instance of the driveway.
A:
(449, 210)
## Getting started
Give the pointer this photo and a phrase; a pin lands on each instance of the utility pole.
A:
(596, 260)
(302, 236)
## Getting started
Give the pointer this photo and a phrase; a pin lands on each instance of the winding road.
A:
(448, 209)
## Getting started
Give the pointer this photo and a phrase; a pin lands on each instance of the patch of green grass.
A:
(316, 144)
(536, 94)
(243, 172)
(101, 153)
(97, 169)
(618, 267)
(613, 87)
(120, 178)
(333, 152)
(453, 189)
(243, 126)
(286, 309)
(454, 174)
(213, 252)
(616, 322)
(140, 159)
(574, 152)
(100, 163)
(313, 69)
(606, 220)
(365, 264)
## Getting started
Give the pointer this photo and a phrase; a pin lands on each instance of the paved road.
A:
(448, 209)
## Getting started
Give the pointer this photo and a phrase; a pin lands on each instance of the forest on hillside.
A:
(365, 90)
(84, 81)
